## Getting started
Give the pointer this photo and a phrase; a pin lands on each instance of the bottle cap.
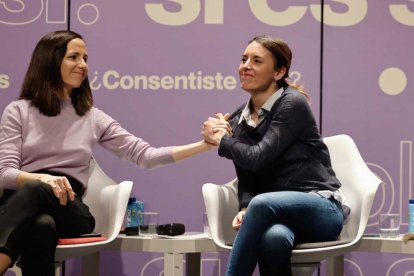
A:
(132, 200)
(411, 201)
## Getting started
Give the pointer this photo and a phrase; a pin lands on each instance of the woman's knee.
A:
(44, 230)
(277, 241)
(275, 251)
(45, 223)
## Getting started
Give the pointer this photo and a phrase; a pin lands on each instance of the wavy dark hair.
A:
(282, 57)
(43, 84)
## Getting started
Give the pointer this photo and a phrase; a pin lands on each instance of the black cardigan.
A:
(285, 152)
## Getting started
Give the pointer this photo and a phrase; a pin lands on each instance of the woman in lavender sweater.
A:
(46, 141)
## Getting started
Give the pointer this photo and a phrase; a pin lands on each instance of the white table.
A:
(374, 243)
(176, 249)
(191, 245)
(386, 245)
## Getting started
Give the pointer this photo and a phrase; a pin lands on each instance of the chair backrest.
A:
(107, 201)
(100, 195)
(222, 205)
(359, 186)
(359, 183)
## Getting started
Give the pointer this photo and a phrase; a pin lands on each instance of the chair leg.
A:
(304, 269)
(58, 268)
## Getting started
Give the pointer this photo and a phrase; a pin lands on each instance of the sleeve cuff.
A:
(224, 146)
(9, 179)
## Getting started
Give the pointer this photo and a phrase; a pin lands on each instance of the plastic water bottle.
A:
(132, 212)
(411, 216)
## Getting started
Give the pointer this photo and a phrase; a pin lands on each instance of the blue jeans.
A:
(274, 223)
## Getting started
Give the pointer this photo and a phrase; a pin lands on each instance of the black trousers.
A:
(32, 220)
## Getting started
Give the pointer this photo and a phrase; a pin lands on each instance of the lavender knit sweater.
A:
(30, 141)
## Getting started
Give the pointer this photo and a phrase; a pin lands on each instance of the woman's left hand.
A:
(215, 128)
(238, 219)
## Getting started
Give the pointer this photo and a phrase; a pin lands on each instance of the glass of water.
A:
(148, 223)
(389, 225)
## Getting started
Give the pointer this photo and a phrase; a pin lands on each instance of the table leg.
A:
(192, 264)
(173, 264)
(90, 264)
(335, 266)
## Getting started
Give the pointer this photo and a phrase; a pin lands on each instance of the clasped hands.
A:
(215, 128)
(213, 131)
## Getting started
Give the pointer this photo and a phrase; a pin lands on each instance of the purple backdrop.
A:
(367, 90)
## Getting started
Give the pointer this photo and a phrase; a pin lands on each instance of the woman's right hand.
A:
(238, 219)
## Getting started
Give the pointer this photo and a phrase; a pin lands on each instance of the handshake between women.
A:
(215, 128)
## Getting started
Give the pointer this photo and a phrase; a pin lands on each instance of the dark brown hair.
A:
(282, 57)
(43, 84)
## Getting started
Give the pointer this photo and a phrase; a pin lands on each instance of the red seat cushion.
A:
(80, 240)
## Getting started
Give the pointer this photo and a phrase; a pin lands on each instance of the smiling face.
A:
(257, 69)
(74, 68)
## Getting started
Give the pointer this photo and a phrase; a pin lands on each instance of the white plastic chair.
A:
(359, 185)
(107, 201)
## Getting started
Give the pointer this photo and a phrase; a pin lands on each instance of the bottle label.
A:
(411, 217)
(133, 209)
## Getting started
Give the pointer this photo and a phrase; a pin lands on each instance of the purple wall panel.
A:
(368, 94)
(368, 89)
(21, 26)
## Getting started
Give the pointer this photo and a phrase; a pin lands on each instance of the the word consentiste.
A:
(112, 80)
(4, 81)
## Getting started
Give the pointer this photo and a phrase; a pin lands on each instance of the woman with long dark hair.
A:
(46, 141)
